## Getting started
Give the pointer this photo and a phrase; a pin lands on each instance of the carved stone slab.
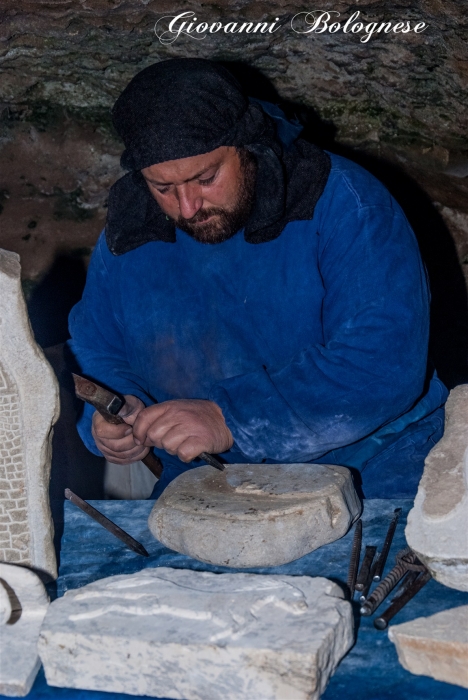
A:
(191, 635)
(28, 409)
(438, 524)
(23, 605)
(435, 646)
(255, 514)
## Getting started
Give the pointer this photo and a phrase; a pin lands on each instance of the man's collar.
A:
(288, 186)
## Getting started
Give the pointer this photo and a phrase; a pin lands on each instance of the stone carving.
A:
(192, 635)
(23, 605)
(255, 514)
(28, 409)
(438, 523)
(435, 646)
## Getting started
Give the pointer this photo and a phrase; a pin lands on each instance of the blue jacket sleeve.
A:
(371, 366)
(98, 342)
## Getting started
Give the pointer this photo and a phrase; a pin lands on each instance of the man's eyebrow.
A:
(194, 177)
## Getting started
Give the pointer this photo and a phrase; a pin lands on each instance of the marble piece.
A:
(23, 605)
(175, 633)
(28, 409)
(438, 524)
(435, 646)
(5, 605)
(255, 514)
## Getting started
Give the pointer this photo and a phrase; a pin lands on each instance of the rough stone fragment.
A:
(23, 605)
(255, 514)
(438, 523)
(198, 636)
(28, 409)
(435, 646)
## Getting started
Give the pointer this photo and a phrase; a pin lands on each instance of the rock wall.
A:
(397, 104)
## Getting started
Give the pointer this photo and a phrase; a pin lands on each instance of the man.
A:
(268, 295)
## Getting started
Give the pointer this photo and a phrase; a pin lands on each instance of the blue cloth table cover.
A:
(370, 671)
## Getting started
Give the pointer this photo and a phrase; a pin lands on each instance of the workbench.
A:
(370, 671)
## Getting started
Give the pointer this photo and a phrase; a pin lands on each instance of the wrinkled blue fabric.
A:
(314, 344)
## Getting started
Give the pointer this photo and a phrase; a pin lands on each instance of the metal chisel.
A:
(109, 404)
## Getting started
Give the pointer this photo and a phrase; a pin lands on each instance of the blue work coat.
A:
(314, 344)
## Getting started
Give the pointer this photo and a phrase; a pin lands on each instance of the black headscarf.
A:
(185, 107)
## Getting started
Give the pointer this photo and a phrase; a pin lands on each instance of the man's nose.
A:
(190, 201)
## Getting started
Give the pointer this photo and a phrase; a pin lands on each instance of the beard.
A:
(225, 222)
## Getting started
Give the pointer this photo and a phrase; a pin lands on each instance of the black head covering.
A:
(181, 108)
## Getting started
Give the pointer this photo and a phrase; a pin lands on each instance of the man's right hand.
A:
(116, 441)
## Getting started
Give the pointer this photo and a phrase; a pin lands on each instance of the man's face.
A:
(209, 196)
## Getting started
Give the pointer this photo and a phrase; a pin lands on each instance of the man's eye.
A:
(208, 181)
(163, 190)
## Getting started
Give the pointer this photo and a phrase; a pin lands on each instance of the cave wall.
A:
(397, 104)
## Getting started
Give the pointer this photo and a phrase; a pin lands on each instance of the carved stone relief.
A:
(29, 407)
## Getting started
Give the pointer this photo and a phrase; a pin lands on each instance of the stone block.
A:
(437, 528)
(28, 409)
(435, 646)
(255, 514)
(23, 605)
(191, 635)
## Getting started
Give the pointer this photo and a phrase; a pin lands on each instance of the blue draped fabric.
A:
(370, 671)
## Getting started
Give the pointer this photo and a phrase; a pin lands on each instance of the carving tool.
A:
(355, 556)
(109, 404)
(408, 591)
(211, 460)
(386, 546)
(406, 581)
(364, 571)
(108, 524)
(406, 560)
(370, 579)
(410, 577)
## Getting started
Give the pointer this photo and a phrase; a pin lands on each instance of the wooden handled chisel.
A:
(109, 404)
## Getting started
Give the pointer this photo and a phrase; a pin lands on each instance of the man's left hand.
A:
(184, 427)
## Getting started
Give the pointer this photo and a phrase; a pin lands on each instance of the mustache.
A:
(201, 216)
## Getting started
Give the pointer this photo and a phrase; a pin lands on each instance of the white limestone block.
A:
(435, 646)
(29, 406)
(23, 605)
(192, 635)
(255, 514)
(5, 605)
(437, 528)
